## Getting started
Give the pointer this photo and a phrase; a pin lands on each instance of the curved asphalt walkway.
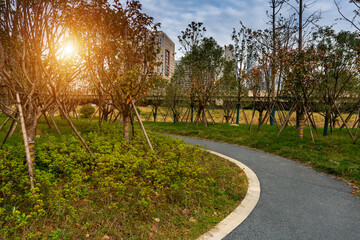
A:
(296, 202)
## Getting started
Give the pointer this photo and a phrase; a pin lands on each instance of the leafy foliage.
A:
(87, 111)
(192, 36)
(118, 191)
(200, 69)
(122, 56)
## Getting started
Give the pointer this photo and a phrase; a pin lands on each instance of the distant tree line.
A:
(294, 62)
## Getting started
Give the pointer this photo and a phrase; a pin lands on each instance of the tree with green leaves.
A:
(246, 53)
(227, 89)
(300, 72)
(303, 24)
(174, 94)
(339, 54)
(201, 68)
(191, 37)
(120, 53)
(261, 47)
(155, 96)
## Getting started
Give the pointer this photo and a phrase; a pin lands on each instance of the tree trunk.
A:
(300, 117)
(192, 114)
(326, 124)
(185, 116)
(227, 118)
(155, 113)
(28, 142)
(204, 121)
(330, 123)
(272, 118)
(260, 120)
(126, 125)
(301, 126)
(237, 113)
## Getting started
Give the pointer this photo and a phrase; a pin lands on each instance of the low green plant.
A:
(87, 111)
(126, 191)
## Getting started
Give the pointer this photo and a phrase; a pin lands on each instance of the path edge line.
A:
(241, 212)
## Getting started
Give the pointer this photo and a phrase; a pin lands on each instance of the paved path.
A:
(296, 202)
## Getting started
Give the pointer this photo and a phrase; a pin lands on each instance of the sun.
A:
(67, 50)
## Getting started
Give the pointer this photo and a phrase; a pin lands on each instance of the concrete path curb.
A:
(235, 218)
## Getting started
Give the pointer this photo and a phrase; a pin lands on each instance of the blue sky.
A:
(221, 16)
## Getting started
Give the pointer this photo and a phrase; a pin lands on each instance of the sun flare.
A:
(67, 50)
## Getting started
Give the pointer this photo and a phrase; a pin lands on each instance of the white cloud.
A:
(221, 16)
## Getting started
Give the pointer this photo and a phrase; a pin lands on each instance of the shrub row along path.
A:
(296, 202)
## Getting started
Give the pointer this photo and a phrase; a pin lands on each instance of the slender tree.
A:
(276, 6)
(191, 37)
(122, 56)
(338, 75)
(300, 72)
(246, 53)
(299, 7)
(201, 68)
(174, 94)
(227, 89)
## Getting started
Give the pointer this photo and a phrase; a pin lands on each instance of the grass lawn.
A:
(164, 115)
(335, 154)
(121, 192)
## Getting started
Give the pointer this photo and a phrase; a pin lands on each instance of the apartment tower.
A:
(166, 55)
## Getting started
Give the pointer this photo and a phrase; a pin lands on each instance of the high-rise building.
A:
(166, 55)
(229, 52)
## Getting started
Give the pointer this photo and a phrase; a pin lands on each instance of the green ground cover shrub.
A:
(87, 111)
(122, 191)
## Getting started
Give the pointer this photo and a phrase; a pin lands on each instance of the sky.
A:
(221, 16)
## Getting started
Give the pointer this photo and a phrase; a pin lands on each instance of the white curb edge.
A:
(240, 213)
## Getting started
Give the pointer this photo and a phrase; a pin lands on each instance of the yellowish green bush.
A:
(122, 191)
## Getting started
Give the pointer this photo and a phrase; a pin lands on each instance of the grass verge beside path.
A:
(123, 191)
(335, 155)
